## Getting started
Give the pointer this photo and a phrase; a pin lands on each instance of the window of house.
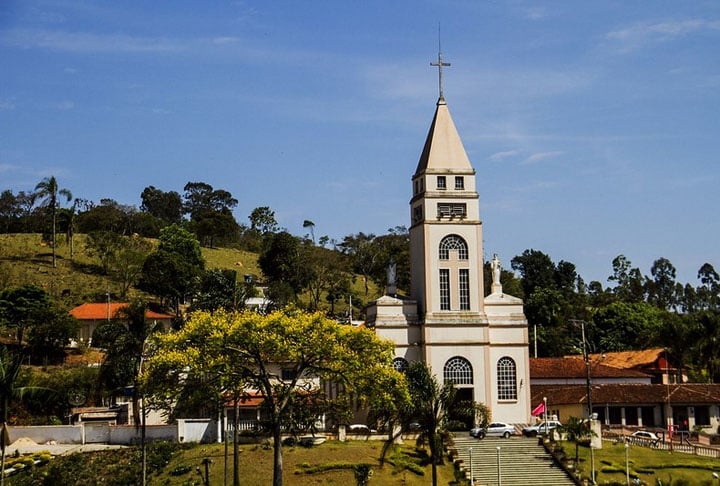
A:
(459, 182)
(453, 242)
(288, 374)
(441, 182)
(452, 210)
(417, 213)
(464, 288)
(401, 364)
(459, 371)
(507, 379)
(444, 289)
(702, 415)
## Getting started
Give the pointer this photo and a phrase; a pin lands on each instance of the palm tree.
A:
(309, 224)
(577, 430)
(48, 190)
(433, 407)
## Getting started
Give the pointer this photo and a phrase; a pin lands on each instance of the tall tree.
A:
(708, 292)
(125, 339)
(432, 406)
(166, 206)
(262, 219)
(282, 264)
(261, 349)
(173, 271)
(48, 190)
(661, 289)
(364, 255)
(536, 270)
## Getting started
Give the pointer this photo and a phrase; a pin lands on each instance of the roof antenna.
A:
(439, 64)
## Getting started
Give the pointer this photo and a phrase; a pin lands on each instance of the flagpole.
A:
(545, 411)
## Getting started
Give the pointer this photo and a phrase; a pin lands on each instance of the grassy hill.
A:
(26, 259)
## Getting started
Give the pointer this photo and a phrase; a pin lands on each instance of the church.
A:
(478, 342)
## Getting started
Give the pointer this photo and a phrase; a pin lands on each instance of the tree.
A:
(536, 270)
(432, 406)
(623, 326)
(200, 196)
(174, 270)
(262, 219)
(10, 211)
(9, 370)
(103, 245)
(219, 289)
(259, 350)
(166, 206)
(309, 224)
(661, 289)
(576, 430)
(48, 190)
(124, 340)
(281, 263)
(709, 292)
(364, 255)
(21, 308)
(127, 262)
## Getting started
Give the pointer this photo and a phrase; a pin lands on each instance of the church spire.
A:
(439, 64)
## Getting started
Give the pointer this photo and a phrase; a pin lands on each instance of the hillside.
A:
(26, 259)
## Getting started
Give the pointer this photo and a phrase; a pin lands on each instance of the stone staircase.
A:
(522, 462)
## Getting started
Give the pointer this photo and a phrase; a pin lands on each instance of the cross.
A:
(440, 65)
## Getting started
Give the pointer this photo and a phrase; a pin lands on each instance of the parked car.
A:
(360, 429)
(644, 437)
(495, 429)
(541, 428)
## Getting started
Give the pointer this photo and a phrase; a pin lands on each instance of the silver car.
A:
(495, 429)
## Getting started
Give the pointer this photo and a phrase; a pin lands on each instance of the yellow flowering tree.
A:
(249, 352)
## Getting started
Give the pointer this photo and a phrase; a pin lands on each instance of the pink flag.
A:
(539, 410)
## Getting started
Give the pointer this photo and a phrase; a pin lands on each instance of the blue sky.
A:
(594, 127)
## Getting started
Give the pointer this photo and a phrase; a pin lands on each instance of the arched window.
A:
(507, 379)
(401, 364)
(459, 371)
(453, 242)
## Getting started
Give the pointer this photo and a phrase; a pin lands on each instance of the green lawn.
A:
(650, 465)
(331, 461)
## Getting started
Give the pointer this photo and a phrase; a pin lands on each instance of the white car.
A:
(360, 429)
(541, 428)
(644, 437)
(495, 429)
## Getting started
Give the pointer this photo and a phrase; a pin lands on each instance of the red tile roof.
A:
(99, 311)
(571, 367)
(686, 393)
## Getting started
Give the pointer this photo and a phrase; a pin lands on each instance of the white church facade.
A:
(478, 342)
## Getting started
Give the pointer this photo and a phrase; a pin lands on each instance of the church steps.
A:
(522, 461)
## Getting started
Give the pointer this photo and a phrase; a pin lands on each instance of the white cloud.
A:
(85, 42)
(498, 156)
(641, 34)
(537, 157)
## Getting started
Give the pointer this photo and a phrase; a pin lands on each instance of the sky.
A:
(593, 127)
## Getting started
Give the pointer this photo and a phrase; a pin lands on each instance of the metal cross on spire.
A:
(439, 64)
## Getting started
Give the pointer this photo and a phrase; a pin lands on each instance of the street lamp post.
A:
(498, 467)
(586, 358)
(627, 464)
(668, 412)
(472, 473)
(592, 461)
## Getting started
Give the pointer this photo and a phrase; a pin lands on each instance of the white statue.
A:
(496, 267)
